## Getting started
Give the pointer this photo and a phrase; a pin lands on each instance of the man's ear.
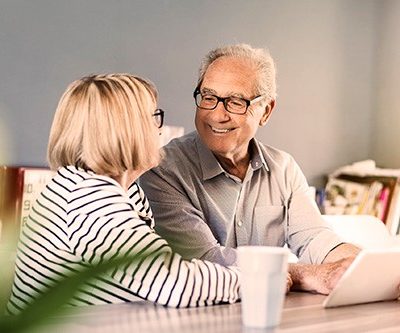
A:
(267, 113)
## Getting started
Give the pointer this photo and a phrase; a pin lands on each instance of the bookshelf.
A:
(374, 191)
(19, 188)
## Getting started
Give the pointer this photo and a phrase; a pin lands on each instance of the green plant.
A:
(52, 301)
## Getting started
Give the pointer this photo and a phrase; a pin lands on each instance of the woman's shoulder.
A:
(81, 187)
(77, 178)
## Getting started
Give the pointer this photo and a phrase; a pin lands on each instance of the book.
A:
(382, 199)
(371, 199)
(19, 188)
(10, 195)
(34, 181)
(383, 204)
(386, 181)
(377, 195)
(345, 197)
(393, 215)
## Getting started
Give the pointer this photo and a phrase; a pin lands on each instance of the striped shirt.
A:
(81, 218)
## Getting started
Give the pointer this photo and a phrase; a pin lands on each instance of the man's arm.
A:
(324, 277)
(323, 257)
(344, 250)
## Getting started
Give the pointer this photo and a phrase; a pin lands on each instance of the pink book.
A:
(383, 201)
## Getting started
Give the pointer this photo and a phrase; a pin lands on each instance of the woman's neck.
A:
(128, 177)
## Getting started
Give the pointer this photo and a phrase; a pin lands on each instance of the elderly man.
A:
(219, 187)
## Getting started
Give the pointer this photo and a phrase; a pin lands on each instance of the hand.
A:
(327, 275)
(319, 278)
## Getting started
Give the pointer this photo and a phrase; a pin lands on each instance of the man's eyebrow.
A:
(208, 91)
(233, 94)
(213, 92)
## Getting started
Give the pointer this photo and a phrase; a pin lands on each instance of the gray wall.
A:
(386, 113)
(325, 53)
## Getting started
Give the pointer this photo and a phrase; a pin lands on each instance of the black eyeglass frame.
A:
(225, 101)
(159, 113)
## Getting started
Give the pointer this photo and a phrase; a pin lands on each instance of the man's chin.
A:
(221, 150)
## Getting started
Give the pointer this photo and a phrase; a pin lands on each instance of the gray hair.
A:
(260, 58)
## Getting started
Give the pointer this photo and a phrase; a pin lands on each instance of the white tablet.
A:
(373, 276)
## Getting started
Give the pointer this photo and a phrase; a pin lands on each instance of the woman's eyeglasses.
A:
(159, 117)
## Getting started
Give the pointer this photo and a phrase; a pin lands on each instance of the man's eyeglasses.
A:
(232, 104)
(159, 117)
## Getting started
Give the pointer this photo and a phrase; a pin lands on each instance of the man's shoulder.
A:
(180, 155)
(182, 144)
(282, 165)
(274, 156)
(178, 148)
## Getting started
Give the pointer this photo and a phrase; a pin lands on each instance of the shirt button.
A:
(240, 223)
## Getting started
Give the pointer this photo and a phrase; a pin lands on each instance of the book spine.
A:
(382, 204)
(393, 216)
(19, 188)
(35, 180)
(10, 192)
(10, 201)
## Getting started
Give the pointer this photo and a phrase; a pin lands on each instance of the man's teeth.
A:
(220, 130)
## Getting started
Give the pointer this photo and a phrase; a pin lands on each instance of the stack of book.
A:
(19, 187)
(374, 191)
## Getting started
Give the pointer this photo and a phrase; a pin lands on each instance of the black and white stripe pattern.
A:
(83, 218)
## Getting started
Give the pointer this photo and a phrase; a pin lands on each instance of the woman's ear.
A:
(267, 113)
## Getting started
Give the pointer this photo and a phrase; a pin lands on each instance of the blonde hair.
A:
(260, 58)
(104, 123)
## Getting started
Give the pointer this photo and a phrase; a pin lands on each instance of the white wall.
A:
(325, 52)
(386, 113)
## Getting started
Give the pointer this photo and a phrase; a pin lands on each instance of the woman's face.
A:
(155, 134)
(157, 130)
(132, 175)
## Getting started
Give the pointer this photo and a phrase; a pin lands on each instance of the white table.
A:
(303, 312)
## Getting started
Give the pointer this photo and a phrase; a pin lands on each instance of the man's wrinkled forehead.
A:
(236, 77)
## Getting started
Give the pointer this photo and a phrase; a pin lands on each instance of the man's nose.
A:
(220, 112)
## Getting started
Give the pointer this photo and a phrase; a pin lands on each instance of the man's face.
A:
(228, 135)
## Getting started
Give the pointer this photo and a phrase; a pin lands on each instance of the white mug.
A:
(264, 272)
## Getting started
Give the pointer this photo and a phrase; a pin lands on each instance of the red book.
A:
(383, 203)
(19, 187)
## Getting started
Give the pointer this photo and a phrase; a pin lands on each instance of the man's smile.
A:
(221, 130)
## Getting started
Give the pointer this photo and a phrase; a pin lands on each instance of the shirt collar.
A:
(257, 159)
(211, 167)
(208, 163)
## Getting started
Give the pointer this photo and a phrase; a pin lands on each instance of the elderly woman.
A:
(104, 136)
